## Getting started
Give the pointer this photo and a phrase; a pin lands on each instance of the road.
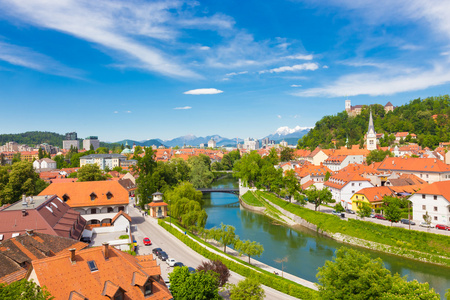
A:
(327, 209)
(148, 227)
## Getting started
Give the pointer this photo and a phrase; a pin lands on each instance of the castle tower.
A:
(371, 136)
(348, 106)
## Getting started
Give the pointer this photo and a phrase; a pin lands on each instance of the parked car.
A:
(443, 227)
(192, 270)
(171, 261)
(147, 241)
(379, 217)
(167, 282)
(372, 215)
(425, 224)
(351, 211)
(85, 239)
(163, 256)
(406, 221)
(156, 251)
(179, 264)
(336, 213)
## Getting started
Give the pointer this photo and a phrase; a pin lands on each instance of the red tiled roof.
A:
(431, 165)
(375, 194)
(441, 188)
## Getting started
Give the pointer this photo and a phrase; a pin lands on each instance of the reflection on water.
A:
(306, 250)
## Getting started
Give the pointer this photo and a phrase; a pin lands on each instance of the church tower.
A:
(348, 106)
(371, 136)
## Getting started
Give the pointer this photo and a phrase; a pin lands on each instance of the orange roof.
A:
(441, 188)
(342, 178)
(375, 194)
(156, 204)
(79, 193)
(117, 272)
(313, 170)
(361, 169)
(430, 165)
(121, 213)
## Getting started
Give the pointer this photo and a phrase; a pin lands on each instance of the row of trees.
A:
(227, 162)
(427, 118)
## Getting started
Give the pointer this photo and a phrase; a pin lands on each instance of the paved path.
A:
(148, 227)
(327, 209)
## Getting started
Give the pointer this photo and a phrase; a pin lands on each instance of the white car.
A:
(171, 261)
(425, 224)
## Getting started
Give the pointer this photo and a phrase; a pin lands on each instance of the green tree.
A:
(339, 208)
(392, 208)
(272, 157)
(25, 290)
(90, 172)
(138, 150)
(146, 184)
(41, 153)
(377, 156)
(200, 175)
(2, 159)
(247, 289)
(16, 158)
(286, 154)
(22, 179)
(199, 285)
(249, 248)
(327, 176)
(102, 150)
(60, 162)
(427, 218)
(354, 275)
(319, 197)
(224, 235)
(364, 209)
(291, 183)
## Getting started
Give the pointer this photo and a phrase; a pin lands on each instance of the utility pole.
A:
(409, 217)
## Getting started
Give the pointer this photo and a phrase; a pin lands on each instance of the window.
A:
(110, 209)
(65, 197)
(93, 196)
(423, 196)
(93, 211)
(435, 197)
(424, 207)
(360, 184)
(427, 175)
(148, 289)
(353, 192)
(435, 208)
(109, 195)
(435, 218)
(92, 265)
(353, 184)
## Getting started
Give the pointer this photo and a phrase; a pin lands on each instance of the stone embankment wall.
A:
(258, 209)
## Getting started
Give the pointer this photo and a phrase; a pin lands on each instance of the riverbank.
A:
(425, 247)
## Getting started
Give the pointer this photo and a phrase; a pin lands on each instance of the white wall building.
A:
(211, 143)
(434, 199)
(71, 143)
(45, 163)
(251, 144)
(91, 140)
(336, 163)
(103, 160)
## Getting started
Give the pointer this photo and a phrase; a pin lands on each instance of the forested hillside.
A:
(32, 138)
(427, 118)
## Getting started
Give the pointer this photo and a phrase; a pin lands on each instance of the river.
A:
(306, 250)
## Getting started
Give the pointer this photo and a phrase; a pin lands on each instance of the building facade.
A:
(433, 199)
(91, 141)
(103, 160)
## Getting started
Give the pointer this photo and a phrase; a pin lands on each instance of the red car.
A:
(380, 217)
(147, 242)
(443, 227)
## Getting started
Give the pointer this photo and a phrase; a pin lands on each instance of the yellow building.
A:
(372, 195)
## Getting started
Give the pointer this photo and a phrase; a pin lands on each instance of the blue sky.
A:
(163, 69)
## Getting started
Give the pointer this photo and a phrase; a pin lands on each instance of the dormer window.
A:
(109, 195)
(148, 289)
(65, 197)
(93, 196)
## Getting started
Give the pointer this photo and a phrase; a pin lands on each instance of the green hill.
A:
(427, 118)
(32, 138)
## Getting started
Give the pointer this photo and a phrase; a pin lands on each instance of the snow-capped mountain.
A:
(285, 132)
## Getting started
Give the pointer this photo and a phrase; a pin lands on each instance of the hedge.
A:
(264, 277)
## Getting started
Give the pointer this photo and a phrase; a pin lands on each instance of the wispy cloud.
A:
(209, 91)
(279, 116)
(183, 107)
(296, 85)
(116, 112)
(236, 73)
(128, 111)
(305, 66)
(300, 57)
(24, 57)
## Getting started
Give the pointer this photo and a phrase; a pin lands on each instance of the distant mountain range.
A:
(290, 135)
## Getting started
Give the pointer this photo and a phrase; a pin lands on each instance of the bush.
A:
(124, 236)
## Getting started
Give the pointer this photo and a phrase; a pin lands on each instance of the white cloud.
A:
(204, 48)
(208, 91)
(116, 112)
(128, 111)
(184, 107)
(112, 25)
(236, 73)
(376, 84)
(296, 85)
(325, 67)
(305, 66)
(24, 57)
(300, 56)
(279, 116)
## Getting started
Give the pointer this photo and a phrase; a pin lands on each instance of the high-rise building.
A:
(70, 136)
(91, 140)
(71, 140)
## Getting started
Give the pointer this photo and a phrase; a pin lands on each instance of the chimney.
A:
(24, 201)
(72, 255)
(30, 232)
(106, 249)
(24, 213)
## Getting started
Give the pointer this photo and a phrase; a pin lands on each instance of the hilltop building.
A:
(91, 141)
(356, 109)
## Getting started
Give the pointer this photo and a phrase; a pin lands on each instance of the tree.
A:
(23, 289)
(138, 150)
(392, 210)
(354, 275)
(102, 150)
(291, 183)
(364, 209)
(90, 172)
(286, 154)
(224, 235)
(272, 157)
(327, 176)
(22, 179)
(339, 208)
(198, 285)
(146, 185)
(218, 267)
(2, 159)
(427, 218)
(200, 175)
(40, 153)
(377, 156)
(319, 197)
(247, 289)
(249, 248)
